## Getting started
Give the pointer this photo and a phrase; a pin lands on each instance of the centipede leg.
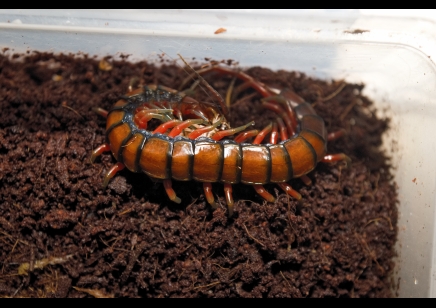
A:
(229, 132)
(111, 173)
(200, 131)
(100, 150)
(264, 193)
(259, 138)
(274, 103)
(336, 135)
(165, 126)
(336, 157)
(290, 191)
(180, 127)
(209, 195)
(282, 129)
(274, 134)
(306, 180)
(273, 106)
(229, 197)
(168, 185)
(100, 111)
(246, 135)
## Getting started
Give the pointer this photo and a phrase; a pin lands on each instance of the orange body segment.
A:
(256, 164)
(115, 116)
(181, 162)
(131, 151)
(317, 143)
(121, 102)
(281, 169)
(116, 138)
(154, 158)
(207, 161)
(302, 156)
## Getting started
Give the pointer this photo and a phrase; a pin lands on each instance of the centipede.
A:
(194, 141)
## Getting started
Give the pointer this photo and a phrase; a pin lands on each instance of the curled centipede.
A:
(195, 141)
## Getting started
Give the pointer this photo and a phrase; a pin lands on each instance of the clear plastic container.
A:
(392, 55)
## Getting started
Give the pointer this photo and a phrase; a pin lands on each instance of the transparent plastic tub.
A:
(392, 55)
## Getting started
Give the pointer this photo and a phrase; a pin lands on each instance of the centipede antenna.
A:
(191, 76)
(208, 86)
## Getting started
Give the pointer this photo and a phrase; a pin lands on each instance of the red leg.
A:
(100, 150)
(141, 118)
(264, 193)
(306, 180)
(336, 157)
(281, 112)
(166, 126)
(200, 131)
(336, 135)
(143, 122)
(245, 135)
(291, 192)
(282, 129)
(229, 132)
(259, 138)
(274, 134)
(101, 111)
(229, 197)
(179, 128)
(288, 109)
(168, 185)
(111, 173)
(209, 195)
(285, 186)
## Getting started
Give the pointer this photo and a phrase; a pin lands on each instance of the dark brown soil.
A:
(62, 235)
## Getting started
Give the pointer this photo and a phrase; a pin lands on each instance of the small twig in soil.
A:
(256, 240)
(224, 268)
(64, 104)
(336, 92)
(96, 293)
(125, 212)
(208, 285)
(286, 280)
(378, 219)
(12, 238)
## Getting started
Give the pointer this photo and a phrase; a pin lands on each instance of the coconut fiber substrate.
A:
(63, 235)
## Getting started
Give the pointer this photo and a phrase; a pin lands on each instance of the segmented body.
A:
(205, 154)
(207, 160)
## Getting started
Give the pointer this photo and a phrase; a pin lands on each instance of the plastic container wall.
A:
(392, 56)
